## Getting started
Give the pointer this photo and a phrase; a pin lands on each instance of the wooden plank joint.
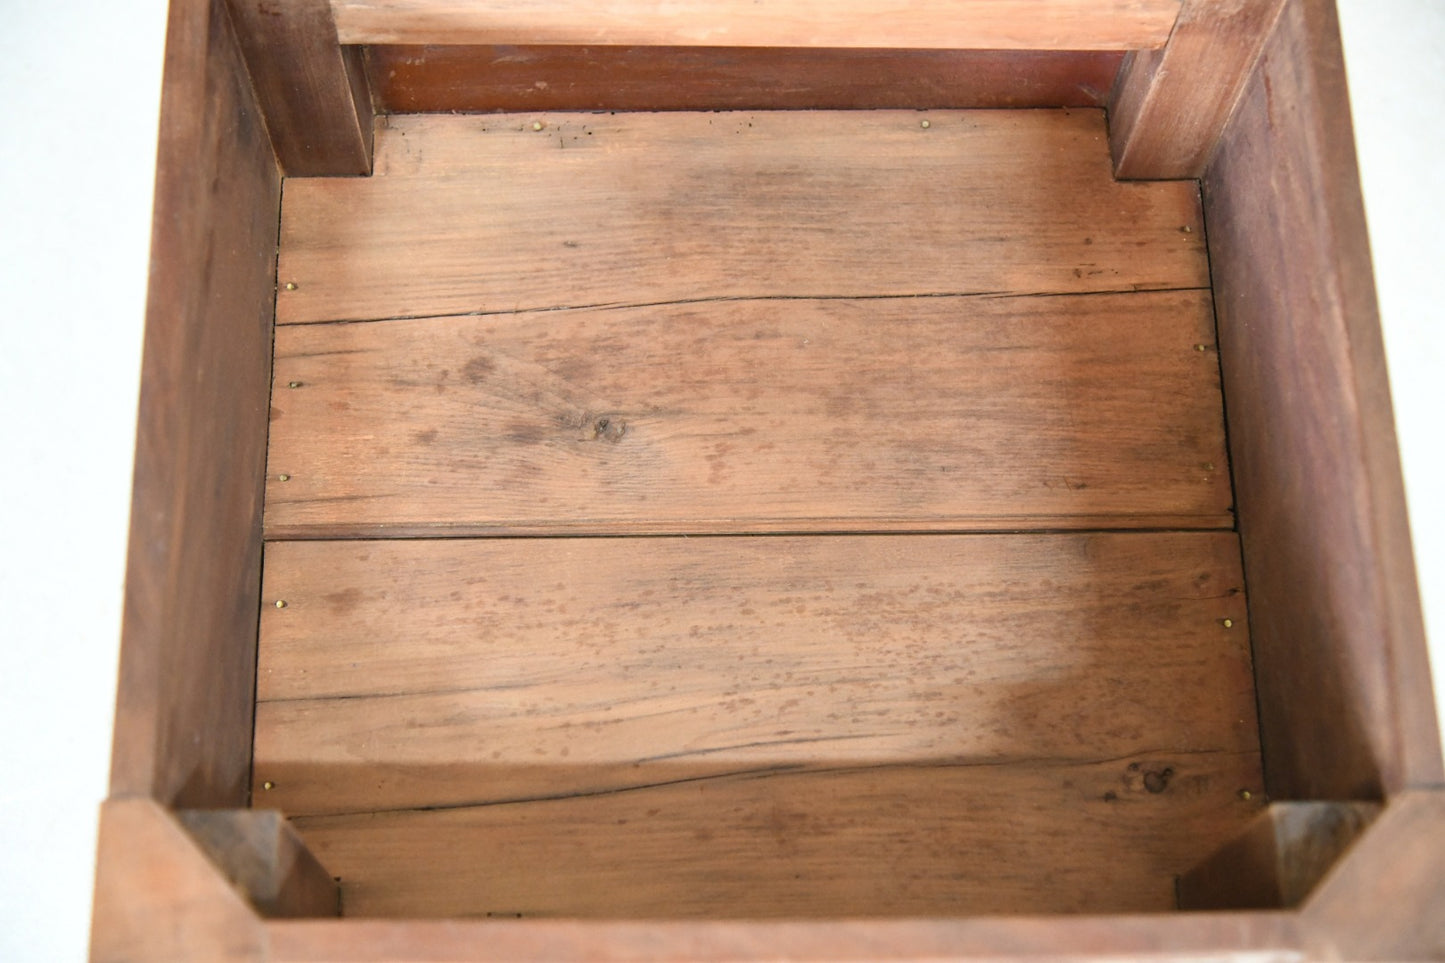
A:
(259, 851)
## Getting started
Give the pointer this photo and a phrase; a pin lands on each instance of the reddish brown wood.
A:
(1386, 899)
(259, 852)
(314, 92)
(1257, 937)
(1170, 106)
(1274, 863)
(410, 79)
(183, 718)
(157, 896)
(1344, 691)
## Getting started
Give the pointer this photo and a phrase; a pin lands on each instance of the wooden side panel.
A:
(1277, 861)
(1256, 937)
(1170, 106)
(157, 897)
(1386, 899)
(258, 851)
(442, 673)
(1346, 708)
(314, 92)
(184, 711)
(892, 840)
(499, 214)
(758, 415)
(971, 24)
(420, 79)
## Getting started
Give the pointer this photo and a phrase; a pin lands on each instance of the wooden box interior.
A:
(926, 495)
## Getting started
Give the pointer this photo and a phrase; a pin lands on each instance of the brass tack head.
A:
(1199, 347)
(1227, 623)
(1209, 466)
(290, 285)
(283, 477)
(1246, 794)
(924, 124)
(1187, 229)
(280, 603)
(536, 125)
(268, 784)
(293, 384)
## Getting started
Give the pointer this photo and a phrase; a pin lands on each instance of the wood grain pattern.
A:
(891, 841)
(1347, 711)
(1170, 106)
(1278, 859)
(427, 673)
(473, 680)
(895, 414)
(157, 896)
(259, 852)
(420, 79)
(975, 24)
(1260, 937)
(314, 92)
(184, 708)
(487, 214)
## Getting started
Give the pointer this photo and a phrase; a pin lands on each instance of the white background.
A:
(77, 151)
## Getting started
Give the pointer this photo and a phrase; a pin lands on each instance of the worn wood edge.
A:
(182, 248)
(260, 852)
(157, 896)
(1385, 900)
(969, 24)
(1278, 859)
(314, 92)
(1165, 120)
(1238, 937)
(471, 78)
(1413, 756)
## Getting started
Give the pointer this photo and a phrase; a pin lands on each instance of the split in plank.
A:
(454, 672)
(485, 214)
(796, 415)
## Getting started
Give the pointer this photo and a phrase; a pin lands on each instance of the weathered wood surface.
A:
(184, 707)
(425, 673)
(976, 24)
(314, 92)
(485, 214)
(894, 840)
(898, 414)
(258, 851)
(1170, 106)
(422, 79)
(1279, 857)
(1346, 706)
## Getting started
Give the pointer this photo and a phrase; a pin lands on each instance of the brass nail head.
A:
(293, 384)
(1246, 794)
(280, 603)
(1199, 347)
(290, 285)
(283, 477)
(1209, 466)
(268, 784)
(536, 125)
(924, 124)
(1227, 623)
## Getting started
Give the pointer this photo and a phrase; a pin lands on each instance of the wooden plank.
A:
(1340, 657)
(1256, 937)
(966, 24)
(1170, 106)
(870, 842)
(1278, 859)
(259, 852)
(416, 79)
(895, 414)
(183, 717)
(1386, 898)
(314, 92)
(498, 670)
(157, 897)
(525, 212)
